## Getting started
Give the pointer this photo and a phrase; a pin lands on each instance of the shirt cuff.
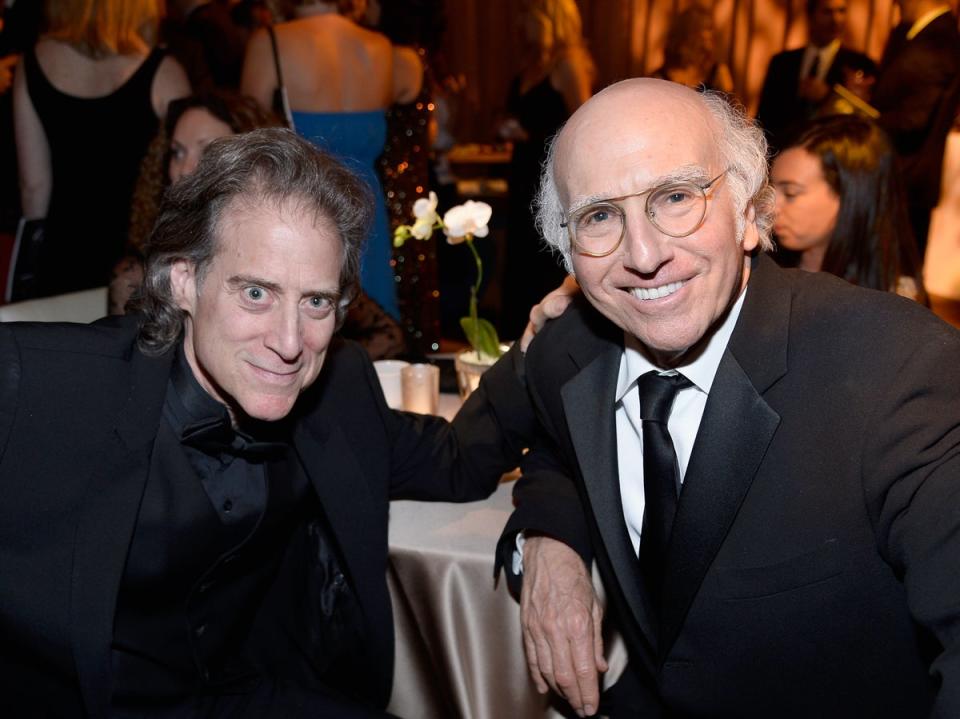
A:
(517, 564)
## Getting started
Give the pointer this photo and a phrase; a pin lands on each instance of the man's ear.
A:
(751, 237)
(183, 285)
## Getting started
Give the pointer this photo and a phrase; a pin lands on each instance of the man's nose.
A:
(646, 248)
(285, 336)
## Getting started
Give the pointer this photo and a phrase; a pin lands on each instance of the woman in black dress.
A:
(554, 80)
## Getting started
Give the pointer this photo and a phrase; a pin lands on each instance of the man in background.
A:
(799, 81)
(918, 94)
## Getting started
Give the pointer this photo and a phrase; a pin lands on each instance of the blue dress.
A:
(357, 139)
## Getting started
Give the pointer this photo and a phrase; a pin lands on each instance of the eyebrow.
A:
(685, 173)
(239, 281)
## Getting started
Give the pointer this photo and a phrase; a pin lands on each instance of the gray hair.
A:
(269, 165)
(742, 148)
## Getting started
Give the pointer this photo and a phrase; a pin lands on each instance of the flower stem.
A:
(475, 290)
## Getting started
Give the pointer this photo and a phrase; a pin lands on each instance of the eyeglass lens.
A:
(676, 210)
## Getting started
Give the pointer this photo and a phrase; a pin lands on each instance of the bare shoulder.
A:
(407, 74)
(170, 82)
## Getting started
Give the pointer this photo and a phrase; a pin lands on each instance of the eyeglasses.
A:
(676, 209)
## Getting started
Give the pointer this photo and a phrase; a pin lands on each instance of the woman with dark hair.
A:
(176, 148)
(841, 206)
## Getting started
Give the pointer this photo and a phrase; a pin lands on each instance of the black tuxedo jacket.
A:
(79, 412)
(814, 565)
(917, 93)
(781, 110)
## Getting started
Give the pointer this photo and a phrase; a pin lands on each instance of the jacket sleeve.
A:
(546, 500)
(911, 480)
(463, 460)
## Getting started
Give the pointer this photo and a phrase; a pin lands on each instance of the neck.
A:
(812, 260)
(316, 8)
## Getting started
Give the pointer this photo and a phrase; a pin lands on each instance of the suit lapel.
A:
(105, 527)
(734, 434)
(736, 429)
(350, 507)
(588, 400)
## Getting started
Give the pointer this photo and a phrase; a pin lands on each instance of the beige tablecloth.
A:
(459, 652)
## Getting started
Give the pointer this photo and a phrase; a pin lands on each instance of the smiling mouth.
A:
(277, 377)
(655, 293)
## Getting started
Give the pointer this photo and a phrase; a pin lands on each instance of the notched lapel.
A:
(588, 400)
(735, 431)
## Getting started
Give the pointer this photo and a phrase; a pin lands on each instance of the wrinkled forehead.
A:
(630, 141)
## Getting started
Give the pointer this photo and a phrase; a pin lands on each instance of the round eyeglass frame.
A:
(569, 224)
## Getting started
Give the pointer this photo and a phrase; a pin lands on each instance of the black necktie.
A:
(661, 474)
(814, 66)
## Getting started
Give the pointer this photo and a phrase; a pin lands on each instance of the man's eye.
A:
(320, 305)
(678, 197)
(596, 216)
(255, 293)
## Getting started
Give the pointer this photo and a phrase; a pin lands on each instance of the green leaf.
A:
(482, 336)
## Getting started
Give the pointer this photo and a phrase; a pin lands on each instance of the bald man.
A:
(763, 464)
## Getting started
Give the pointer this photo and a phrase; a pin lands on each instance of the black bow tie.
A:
(216, 436)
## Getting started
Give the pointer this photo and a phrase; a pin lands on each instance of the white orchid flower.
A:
(470, 218)
(425, 212)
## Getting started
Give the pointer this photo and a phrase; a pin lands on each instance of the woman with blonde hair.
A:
(88, 98)
(554, 79)
(690, 55)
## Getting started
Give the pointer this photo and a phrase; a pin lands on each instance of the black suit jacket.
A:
(917, 93)
(781, 110)
(79, 412)
(814, 565)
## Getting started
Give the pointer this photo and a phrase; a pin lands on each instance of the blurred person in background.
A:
(88, 98)
(19, 26)
(841, 206)
(405, 165)
(690, 52)
(340, 78)
(192, 123)
(209, 38)
(798, 81)
(555, 77)
(917, 93)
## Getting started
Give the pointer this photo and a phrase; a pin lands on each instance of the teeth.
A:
(654, 293)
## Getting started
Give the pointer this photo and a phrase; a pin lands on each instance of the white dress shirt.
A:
(684, 419)
(826, 55)
(683, 424)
